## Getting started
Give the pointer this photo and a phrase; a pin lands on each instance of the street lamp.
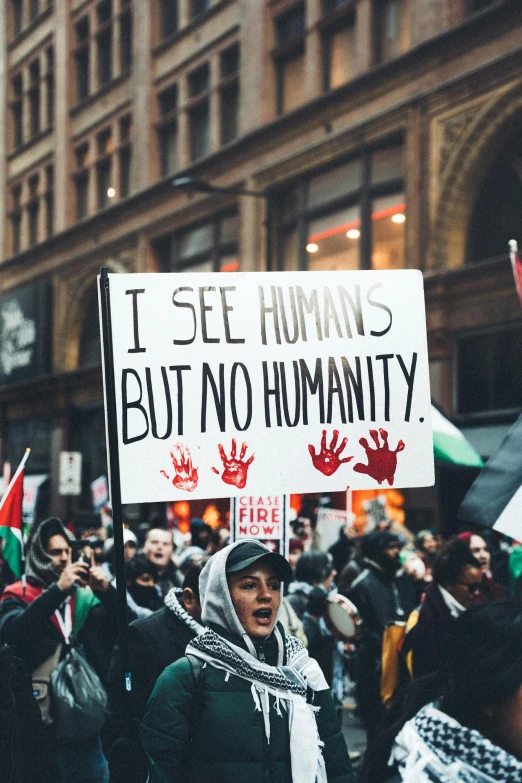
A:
(196, 185)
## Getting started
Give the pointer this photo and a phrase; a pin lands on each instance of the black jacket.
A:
(154, 643)
(28, 629)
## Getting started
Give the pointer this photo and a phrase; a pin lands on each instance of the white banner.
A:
(263, 517)
(270, 383)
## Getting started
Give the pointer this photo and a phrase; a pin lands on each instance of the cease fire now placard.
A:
(270, 383)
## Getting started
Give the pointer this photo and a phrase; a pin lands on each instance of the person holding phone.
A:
(62, 603)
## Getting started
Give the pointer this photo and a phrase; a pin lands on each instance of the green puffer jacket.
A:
(209, 730)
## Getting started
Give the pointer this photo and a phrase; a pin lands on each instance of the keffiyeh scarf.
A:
(286, 684)
(434, 747)
(174, 601)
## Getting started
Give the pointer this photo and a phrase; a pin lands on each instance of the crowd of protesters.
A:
(433, 665)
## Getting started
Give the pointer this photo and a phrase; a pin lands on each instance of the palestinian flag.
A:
(516, 263)
(450, 445)
(495, 497)
(11, 520)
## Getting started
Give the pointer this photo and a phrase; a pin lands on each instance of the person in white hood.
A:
(246, 703)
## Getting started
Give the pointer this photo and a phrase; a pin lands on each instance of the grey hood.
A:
(216, 604)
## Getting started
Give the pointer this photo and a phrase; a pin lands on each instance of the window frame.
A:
(363, 196)
(214, 254)
(283, 53)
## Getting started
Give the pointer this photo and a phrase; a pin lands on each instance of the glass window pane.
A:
(229, 230)
(387, 164)
(342, 56)
(388, 232)
(293, 83)
(196, 241)
(204, 266)
(335, 182)
(333, 241)
(289, 204)
(395, 35)
(290, 252)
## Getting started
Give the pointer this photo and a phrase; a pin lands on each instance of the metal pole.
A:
(114, 469)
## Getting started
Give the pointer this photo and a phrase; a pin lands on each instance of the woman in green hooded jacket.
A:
(247, 703)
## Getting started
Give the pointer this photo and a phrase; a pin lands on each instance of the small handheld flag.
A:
(11, 519)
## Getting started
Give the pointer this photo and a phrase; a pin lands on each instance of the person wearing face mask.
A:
(246, 703)
(491, 590)
(143, 595)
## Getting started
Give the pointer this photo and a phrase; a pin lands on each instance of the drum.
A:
(342, 617)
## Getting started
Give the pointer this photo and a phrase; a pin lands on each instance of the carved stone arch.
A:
(79, 289)
(478, 141)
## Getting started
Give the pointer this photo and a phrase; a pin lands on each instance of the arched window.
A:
(497, 214)
(90, 349)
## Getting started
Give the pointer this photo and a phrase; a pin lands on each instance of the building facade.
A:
(383, 134)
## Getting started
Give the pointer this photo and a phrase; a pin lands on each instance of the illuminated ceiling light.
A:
(111, 192)
(312, 247)
(353, 233)
(400, 217)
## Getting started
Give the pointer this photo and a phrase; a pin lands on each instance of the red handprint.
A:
(186, 475)
(235, 469)
(328, 459)
(382, 462)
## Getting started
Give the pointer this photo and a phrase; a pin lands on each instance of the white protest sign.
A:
(263, 517)
(99, 493)
(270, 383)
(334, 515)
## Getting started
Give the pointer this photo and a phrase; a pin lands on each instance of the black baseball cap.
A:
(246, 554)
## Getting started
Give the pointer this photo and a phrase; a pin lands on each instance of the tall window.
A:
(207, 247)
(16, 219)
(124, 153)
(198, 7)
(104, 187)
(104, 42)
(393, 33)
(17, 110)
(81, 55)
(290, 58)
(168, 18)
(350, 216)
(168, 130)
(339, 42)
(489, 371)
(49, 201)
(34, 9)
(49, 82)
(229, 93)
(82, 181)
(199, 112)
(33, 210)
(34, 97)
(18, 16)
(125, 37)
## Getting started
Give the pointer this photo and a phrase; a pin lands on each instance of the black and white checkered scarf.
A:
(436, 748)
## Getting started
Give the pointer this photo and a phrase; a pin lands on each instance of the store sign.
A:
(70, 476)
(25, 332)
(264, 518)
(269, 383)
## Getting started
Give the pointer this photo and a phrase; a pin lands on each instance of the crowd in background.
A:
(411, 594)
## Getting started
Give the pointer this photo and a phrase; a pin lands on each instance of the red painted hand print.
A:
(235, 469)
(382, 462)
(329, 459)
(186, 475)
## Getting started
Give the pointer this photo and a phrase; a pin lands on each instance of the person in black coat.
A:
(456, 586)
(154, 643)
(382, 593)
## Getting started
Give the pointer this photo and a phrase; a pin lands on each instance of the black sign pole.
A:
(114, 470)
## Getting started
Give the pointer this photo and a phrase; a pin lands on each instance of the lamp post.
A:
(196, 185)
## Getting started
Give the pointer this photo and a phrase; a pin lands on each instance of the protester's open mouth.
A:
(263, 616)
